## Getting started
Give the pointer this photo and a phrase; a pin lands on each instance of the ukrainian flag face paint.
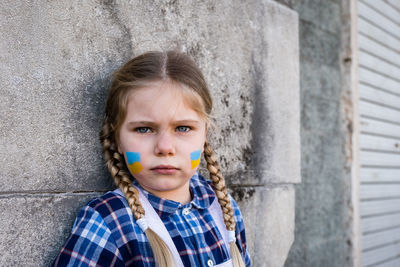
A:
(195, 158)
(133, 159)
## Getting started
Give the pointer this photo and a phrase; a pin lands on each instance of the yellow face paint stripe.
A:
(135, 167)
(195, 163)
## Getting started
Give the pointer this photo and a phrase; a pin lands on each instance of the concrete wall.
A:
(324, 209)
(56, 60)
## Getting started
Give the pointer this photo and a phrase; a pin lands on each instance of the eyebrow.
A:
(174, 122)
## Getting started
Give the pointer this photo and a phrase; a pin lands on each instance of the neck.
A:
(181, 195)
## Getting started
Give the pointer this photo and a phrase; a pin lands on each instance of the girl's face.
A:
(162, 138)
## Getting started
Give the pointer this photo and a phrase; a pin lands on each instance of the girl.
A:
(163, 213)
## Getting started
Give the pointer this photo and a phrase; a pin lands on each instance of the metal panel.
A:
(396, 5)
(368, 158)
(379, 112)
(367, 28)
(371, 126)
(378, 80)
(379, 191)
(367, 44)
(372, 142)
(381, 66)
(384, 8)
(380, 223)
(378, 19)
(380, 254)
(379, 107)
(379, 175)
(378, 96)
(381, 238)
(395, 262)
(375, 207)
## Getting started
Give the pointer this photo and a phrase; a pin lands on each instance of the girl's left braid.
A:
(219, 186)
(218, 183)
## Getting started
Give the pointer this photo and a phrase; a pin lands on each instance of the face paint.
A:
(195, 158)
(134, 162)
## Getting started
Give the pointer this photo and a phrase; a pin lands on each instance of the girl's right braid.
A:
(116, 166)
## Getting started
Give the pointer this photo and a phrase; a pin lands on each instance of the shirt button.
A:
(210, 262)
(185, 211)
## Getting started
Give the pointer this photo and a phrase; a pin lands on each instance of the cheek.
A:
(195, 158)
(133, 159)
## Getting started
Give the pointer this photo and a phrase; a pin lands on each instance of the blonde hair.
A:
(136, 73)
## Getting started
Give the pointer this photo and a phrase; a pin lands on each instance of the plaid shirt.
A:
(105, 232)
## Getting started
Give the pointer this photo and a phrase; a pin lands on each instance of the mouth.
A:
(165, 169)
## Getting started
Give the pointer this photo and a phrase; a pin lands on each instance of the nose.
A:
(165, 145)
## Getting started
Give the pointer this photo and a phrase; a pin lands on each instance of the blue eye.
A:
(183, 128)
(143, 130)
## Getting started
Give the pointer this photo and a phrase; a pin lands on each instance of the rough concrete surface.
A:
(57, 58)
(269, 221)
(323, 198)
(33, 227)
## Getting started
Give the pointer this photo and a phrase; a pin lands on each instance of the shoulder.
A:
(91, 241)
(114, 210)
(109, 207)
(203, 187)
(110, 202)
(107, 210)
(104, 232)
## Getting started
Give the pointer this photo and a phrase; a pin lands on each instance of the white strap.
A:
(225, 264)
(216, 212)
(155, 224)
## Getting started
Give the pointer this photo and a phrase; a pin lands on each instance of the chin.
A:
(168, 186)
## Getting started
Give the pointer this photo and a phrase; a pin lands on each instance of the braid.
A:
(116, 166)
(219, 186)
(224, 201)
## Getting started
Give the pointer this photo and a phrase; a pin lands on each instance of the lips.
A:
(165, 169)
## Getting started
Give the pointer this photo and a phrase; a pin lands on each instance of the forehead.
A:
(162, 100)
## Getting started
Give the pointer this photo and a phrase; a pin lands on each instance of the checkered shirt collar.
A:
(202, 197)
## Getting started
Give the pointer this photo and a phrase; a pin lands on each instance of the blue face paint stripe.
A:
(195, 155)
(132, 157)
